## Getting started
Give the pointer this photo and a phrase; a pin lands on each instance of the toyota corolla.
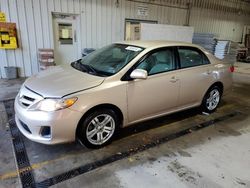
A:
(117, 86)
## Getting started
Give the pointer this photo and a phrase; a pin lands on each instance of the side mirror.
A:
(139, 74)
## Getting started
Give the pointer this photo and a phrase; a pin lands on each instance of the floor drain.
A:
(24, 169)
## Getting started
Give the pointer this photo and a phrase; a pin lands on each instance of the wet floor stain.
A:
(239, 181)
(184, 153)
(152, 159)
(229, 131)
(184, 173)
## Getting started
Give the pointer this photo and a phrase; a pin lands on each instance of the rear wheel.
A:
(212, 99)
(98, 128)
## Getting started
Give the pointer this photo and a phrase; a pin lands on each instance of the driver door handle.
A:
(173, 79)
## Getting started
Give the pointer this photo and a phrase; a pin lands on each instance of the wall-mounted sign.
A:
(2, 17)
(142, 10)
(8, 36)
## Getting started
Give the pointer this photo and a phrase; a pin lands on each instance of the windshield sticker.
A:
(133, 48)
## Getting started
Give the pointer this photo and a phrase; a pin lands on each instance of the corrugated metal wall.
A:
(102, 22)
(225, 26)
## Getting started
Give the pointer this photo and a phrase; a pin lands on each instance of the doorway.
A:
(65, 38)
(133, 29)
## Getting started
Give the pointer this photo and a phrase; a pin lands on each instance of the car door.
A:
(195, 74)
(159, 92)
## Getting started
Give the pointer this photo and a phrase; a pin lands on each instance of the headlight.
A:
(50, 105)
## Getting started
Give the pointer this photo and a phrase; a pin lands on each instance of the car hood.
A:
(61, 80)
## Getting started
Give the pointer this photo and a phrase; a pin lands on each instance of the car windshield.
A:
(109, 60)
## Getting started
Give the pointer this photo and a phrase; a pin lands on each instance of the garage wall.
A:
(102, 22)
(224, 24)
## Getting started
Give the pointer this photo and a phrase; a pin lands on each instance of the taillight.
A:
(231, 68)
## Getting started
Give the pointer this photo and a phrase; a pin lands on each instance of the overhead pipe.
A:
(217, 6)
(158, 4)
(221, 6)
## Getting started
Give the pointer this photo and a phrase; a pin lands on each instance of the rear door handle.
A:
(173, 79)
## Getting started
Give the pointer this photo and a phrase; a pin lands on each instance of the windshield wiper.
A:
(89, 68)
(83, 67)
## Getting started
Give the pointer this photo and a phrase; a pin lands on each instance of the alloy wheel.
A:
(100, 129)
(213, 99)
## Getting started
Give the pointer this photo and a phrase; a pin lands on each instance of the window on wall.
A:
(191, 57)
(158, 62)
(65, 33)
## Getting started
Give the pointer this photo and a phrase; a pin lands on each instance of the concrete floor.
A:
(215, 156)
(10, 88)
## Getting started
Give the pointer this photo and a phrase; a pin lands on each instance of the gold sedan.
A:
(116, 86)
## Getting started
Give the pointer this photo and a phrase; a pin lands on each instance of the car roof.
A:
(156, 43)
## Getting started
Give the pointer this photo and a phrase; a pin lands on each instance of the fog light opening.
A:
(46, 132)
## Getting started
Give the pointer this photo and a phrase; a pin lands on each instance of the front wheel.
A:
(212, 99)
(98, 128)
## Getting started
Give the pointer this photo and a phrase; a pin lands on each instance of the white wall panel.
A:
(123, 16)
(98, 22)
(93, 23)
(64, 5)
(102, 22)
(71, 6)
(24, 33)
(31, 35)
(3, 53)
(109, 21)
(83, 21)
(114, 17)
(45, 23)
(104, 29)
(77, 9)
(18, 52)
(57, 5)
(38, 23)
(89, 23)
(51, 8)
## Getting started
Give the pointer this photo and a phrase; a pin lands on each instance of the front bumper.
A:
(61, 124)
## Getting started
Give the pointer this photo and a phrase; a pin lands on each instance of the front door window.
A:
(158, 62)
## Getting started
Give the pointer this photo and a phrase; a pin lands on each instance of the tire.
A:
(211, 99)
(98, 128)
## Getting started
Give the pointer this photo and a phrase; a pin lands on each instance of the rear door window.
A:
(191, 57)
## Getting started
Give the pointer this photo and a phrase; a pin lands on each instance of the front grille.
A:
(26, 100)
(25, 104)
(27, 97)
(25, 127)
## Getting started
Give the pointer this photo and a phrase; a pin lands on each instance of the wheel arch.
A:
(102, 106)
(219, 84)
